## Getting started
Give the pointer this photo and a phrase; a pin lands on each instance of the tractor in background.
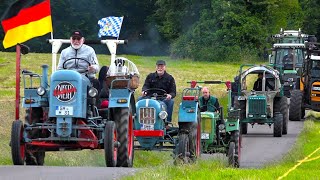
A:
(63, 114)
(268, 106)
(310, 91)
(288, 53)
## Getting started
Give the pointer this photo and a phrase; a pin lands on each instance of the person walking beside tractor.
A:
(162, 80)
(208, 102)
(78, 56)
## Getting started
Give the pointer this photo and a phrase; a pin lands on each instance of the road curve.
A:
(259, 147)
(62, 173)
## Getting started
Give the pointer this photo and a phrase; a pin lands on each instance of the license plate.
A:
(316, 88)
(147, 127)
(64, 110)
(205, 136)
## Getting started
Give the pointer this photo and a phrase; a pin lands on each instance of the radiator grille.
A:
(257, 105)
(147, 115)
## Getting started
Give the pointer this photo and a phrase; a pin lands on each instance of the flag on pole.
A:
(110, 26)
(24, 20)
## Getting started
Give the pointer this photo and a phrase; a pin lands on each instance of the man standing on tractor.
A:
(208, 102)
(78, 56)
(162, 80)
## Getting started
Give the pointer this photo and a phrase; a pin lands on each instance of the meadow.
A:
(158, 165)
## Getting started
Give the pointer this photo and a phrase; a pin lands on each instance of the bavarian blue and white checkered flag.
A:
(110, 26)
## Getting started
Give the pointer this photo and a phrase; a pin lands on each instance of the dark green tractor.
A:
(288, 53)
(266, 106)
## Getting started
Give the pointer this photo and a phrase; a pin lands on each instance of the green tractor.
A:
(287, 57)
(268, 106)
(220, 134)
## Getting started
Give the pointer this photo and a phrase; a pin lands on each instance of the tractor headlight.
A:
(93, 92)
(41, 91)
(221, 127)
(163, 114)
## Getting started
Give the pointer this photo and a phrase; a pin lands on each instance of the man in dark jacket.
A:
(162, 80)
(258, 84)
(208, 102)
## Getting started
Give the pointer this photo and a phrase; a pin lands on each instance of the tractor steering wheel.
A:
(156, 93)
(76, 62)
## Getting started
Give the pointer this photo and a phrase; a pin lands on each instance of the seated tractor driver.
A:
(161, 79)
(288, 58)
(77, 56)
(208, 102)
(258, 84)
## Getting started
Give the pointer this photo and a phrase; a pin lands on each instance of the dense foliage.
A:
(211, 30)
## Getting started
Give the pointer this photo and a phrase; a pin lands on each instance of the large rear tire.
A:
(296, 106)
(34, 115)
(235, 135)
(18, 147)
(231, 154)
(277, 124)
(124, 124)
(110, 150)
(244, 126)
(195, 139)
(183, 149)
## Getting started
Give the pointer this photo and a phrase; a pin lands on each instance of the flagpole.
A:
(18, 60)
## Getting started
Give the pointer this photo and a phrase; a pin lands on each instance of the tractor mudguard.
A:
(188, 111)
(119, 98)
(232, 125)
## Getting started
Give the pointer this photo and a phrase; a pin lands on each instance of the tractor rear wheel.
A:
(34, 115)
(183, 148)
(232, 154)
(18, 147)
(40, 156)
(124, 124)
(195, 138)
(244, 126)
(235, 137)
(110, 149)
(296, 106)
(277, 124)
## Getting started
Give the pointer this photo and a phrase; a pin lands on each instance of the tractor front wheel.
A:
(232, 154)
(277, 124)
(18, 147)
(124, 124)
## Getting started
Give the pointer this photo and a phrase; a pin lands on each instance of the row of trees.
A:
(211, 30)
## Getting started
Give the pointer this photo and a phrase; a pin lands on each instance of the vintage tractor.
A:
(153, 132)
(290, 67)
(220, 134)
(63, 114)
(268, 106)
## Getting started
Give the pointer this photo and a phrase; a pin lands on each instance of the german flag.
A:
(26, 19)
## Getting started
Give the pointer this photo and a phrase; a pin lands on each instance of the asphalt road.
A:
(62, 173)
(259, 148)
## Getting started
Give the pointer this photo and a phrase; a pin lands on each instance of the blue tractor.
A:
(64, 114)
(153, 132)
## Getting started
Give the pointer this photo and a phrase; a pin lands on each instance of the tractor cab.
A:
(261, 100)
